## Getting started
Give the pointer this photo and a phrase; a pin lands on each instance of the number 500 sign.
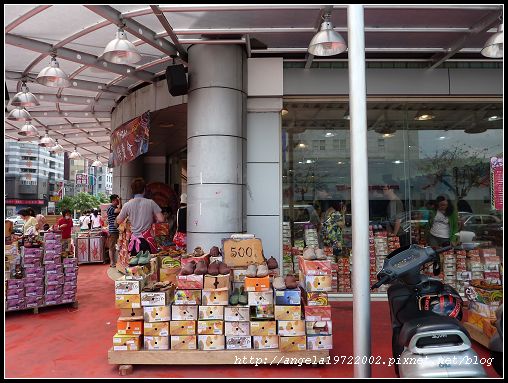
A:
(243, 252)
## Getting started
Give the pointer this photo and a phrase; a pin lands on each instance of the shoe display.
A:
(189, 268)
(214, 251)
(135, 260)
(224, 269)
(198, 252)
(279, 284)
(272, 263)
(320, 255)
(144, 258)
(213, 268)
(234, 298)
(291, 282)
(262, 271)
(309, 254)
(243, 299)
(201, 268)
(252, 271)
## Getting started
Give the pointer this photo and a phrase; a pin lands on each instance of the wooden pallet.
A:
(125, 359)
(477, 334)
(36, 309)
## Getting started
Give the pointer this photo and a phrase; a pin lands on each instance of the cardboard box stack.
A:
(263, 326)
(34, 276)
(474, 264)
(53, 269)
(484, 299)
(344, 275)
(463, 276)
(70, 287)
(296, 252)
(491, 266)
(316, 282)
(157, 313)
(287, 260)
(130, 323)
(450, 268)
(311, 236)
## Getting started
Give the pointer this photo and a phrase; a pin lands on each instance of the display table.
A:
(90, 248)
(125, 359)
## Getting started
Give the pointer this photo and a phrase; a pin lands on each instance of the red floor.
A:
(65, 342)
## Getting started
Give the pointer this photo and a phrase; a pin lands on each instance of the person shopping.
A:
(96, 219)
(142, 213)
(444, 224)
(65, 225)
(180, 238)
(85, 221)
(113, 233)
(30, 225)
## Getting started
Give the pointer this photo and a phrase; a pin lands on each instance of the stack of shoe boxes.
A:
(286, 234)
(344, 275)
(130, 323)
(260, 299)
(311, 237)
(381, 245)
(157, 310)
(474, 264)
(70, 267)
(15, 295)
(211, 326)
(463, 276)
(316, 282)
(491, 266)
(53, 268)
(287, 260)
(450, 268)
(34, 278)
(375, 266)
(237, 328)
(297, 252)
(290, 325)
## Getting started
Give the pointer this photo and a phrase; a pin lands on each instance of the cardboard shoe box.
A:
(217, 283)
(131, 314)
(184, 342)
(318, 327)
(238, 342)
(265, 342)
(124, 286)
(126, 342)
(318, 313)
(127, 301)
(288, 312)
(316, 298)
(184, 312)
(162, 298)
(182, 327)
(316, 282)
(239, 275)
(211, 313)
(187, 297)
(257, 284)
(211, 342)
(291, 328)
(319, 342)
(129, 328)
(260, 298)
(314, 267)
(215, 298)
(292, 343)
(189, 282)
(156, 342)
(263, 328)
(156, 329)
(237, 329)
(262, 312)
(288, 297)
(157, 313)
(210, 327)
(233, 314)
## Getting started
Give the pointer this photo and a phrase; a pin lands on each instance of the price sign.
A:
(242, 252)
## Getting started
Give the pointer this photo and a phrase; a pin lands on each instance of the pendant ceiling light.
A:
(493, 48)
(57, 148)
(24, 98)
(424, 115)
(97, 163)
(347, 115)
(120, 50)
(47, 141)
(53, 76)
(75, 154)
(327, 42)
(19, 114)
(28, 130)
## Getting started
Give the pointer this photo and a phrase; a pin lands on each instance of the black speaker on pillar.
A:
(177, 80)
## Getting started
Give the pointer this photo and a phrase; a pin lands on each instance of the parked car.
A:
(486, 227)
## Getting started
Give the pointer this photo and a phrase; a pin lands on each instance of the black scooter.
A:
(428, 339)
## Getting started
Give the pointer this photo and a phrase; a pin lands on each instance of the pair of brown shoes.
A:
(215, 252)
(192, 267)
(272, 264)
(217, 268)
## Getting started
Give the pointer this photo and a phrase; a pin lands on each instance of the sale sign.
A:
(130, 140)
(242, 252)
(496, 183)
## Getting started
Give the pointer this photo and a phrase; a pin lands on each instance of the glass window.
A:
(411, 161)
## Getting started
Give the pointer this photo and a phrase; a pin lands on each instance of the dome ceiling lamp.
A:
(493, 47)
(120, 50)
(53, 76)
(28, 130)
(47, 141)
(57, 148)
(97, 163)
(24, 98)
(327, 42)
(75, 155)
(19, 114)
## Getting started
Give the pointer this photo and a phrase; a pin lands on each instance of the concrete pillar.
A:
(215, 144)
(123, 176)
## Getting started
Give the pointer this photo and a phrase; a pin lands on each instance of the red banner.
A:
(496, 183)
(24, 202)
(130, 140)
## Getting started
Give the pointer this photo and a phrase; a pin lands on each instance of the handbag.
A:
(180, 239)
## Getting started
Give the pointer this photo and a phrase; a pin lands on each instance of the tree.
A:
(67, 202)
(85, 201)
(103, 198)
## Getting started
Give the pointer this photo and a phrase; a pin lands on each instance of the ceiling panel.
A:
(14, 11)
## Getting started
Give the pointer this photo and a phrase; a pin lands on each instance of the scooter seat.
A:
(428, 323)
